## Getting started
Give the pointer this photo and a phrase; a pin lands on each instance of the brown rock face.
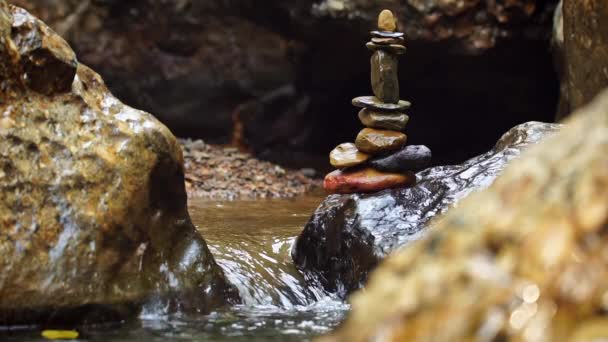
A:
(585, 35)
(93, 218)
(366, 180)
(522, 260)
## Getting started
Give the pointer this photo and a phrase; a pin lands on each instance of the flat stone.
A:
(397, 49)
(346, 155)
(387, 34)
(382, 120)
(410, 158)
(374, 141)
(388, 41)
(375, 103)
(385, 81)
(386, 21)
(366, 180)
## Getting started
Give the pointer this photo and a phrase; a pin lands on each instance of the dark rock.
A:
(387, 34)
(384, 77)
(375, 103)
(585, 35)
(349, 234)
(375, 141)
(393, 121)
(397, 49)
(365, 180)
(410, 158)
(93, 215)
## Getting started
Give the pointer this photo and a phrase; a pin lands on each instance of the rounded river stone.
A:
(346, 155)
(375, 141)
(383, 120)
(387, 41)
(375, 103)
(386, 21)
(411, 158)
(385, 81)
(387, 34)
(365, 180)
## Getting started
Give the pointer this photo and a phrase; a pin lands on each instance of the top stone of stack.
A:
(386, 21)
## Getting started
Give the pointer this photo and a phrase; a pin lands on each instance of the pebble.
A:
(386, 21)
(387, 41)
(375, 141)
(382, 120)
(385, 81)
(387, 34)
(365, 180)
(227, 174)
(397, 49)
(346, 155)
(411, 158)
(375, 103)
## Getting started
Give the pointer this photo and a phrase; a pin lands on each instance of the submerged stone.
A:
(346, 155)
(375, 103)
(349, 234)
(383, 120)
(374, 141)
(366, 180)
(410, 158)
(384, 77)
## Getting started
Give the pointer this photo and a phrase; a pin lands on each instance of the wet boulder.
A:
(349, 234)
(524, 260)
(93, 216)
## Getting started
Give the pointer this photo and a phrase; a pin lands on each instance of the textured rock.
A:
(397, 49)
(524, 260)
(212, 68)
(349, 234)
(410, 158)
(374, 141)
(346, 155)
(93, 218)
(387, 41)
(391, 121)
(365, 180)
(384, 77)
(374, 103)
(585, 37)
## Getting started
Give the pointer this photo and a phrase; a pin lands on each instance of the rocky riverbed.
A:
(225, 173)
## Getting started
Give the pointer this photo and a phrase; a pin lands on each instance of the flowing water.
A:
(251, 241)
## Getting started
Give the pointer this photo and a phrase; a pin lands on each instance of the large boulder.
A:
(349, 234)
(524, 260)
(278, 77)
(93, 217)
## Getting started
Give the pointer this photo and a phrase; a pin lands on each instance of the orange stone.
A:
(365, 180)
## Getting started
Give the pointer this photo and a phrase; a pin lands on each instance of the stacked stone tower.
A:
(379, 158)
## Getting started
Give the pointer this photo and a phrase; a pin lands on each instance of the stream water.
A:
(251, 241)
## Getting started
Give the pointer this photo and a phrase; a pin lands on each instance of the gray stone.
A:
(374, 103)
(388, 41)
(397, 49)
(385, 81)
(387, 34)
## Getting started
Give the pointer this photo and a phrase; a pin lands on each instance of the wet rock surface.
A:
(410, 158)
(522, 260)
(346, 155)
(208, 67)
(349, 234)
(93, 217)
(375, 141)
(365, 180)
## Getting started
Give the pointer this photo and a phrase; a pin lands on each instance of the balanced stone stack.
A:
(379, 158)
